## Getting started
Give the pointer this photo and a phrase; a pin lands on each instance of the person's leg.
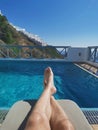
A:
(59, 120)
(40, 116)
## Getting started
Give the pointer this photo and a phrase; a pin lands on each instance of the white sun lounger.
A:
(18, 112)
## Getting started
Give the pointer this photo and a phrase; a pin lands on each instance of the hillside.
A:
(10, 36)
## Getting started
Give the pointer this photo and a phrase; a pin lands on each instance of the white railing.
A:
(18, 51)
(93, 53)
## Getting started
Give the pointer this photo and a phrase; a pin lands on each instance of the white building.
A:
(1, 13)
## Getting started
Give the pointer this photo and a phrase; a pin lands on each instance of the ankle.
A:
(50, 89)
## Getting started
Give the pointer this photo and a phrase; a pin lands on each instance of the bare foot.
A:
(48, 80)
(49, 84)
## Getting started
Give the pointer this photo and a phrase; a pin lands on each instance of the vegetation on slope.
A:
(10, 36)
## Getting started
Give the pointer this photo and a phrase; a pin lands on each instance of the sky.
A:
(58, 22)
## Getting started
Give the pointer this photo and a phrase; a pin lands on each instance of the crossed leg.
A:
(47, 114)
(59, 120)
(40, 116)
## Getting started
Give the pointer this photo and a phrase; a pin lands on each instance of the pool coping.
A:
(34, 59)
(86, 70)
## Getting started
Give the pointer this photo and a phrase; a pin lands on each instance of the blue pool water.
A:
(24, 80)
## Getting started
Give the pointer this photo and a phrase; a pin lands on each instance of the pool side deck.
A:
(90, 67)
(95, 127)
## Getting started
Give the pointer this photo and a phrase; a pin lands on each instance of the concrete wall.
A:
(77, 54)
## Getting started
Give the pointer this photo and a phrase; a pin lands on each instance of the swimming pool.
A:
(20, 79)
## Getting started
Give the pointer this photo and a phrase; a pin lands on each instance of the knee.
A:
(66, 124)
(35, 119)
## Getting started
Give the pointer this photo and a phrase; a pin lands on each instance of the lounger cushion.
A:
(17, 116)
